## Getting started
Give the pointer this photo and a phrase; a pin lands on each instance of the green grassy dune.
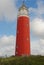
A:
(32, 60)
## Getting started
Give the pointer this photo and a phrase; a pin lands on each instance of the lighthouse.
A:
(23, 32)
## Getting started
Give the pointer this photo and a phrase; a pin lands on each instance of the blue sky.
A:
(8, 27)
(8, 24)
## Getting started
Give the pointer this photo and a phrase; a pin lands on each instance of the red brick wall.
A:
(23, 36)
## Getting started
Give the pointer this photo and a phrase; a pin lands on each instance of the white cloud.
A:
(39, 10)
(37, 47)
(37, 27)
(8, 10)
(41, 46)
(7, 45)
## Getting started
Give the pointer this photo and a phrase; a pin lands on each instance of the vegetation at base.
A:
(31, 60)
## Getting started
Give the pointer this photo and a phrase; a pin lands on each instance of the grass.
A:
(31, 60)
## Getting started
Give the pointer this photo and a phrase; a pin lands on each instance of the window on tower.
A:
(23, 10)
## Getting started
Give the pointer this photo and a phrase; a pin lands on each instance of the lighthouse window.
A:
(27, 24)
(24, 55)
(17, 31)
(27, 39)
(16, 52)
(16, 46)
(23, 11)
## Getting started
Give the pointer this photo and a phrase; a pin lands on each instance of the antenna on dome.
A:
(23, 2)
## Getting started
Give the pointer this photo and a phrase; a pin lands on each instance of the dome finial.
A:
(23, 9)
(23, 2)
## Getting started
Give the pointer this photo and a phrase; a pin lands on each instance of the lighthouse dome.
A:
(23, 10)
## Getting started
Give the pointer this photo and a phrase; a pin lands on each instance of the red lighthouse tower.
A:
(23, 33)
